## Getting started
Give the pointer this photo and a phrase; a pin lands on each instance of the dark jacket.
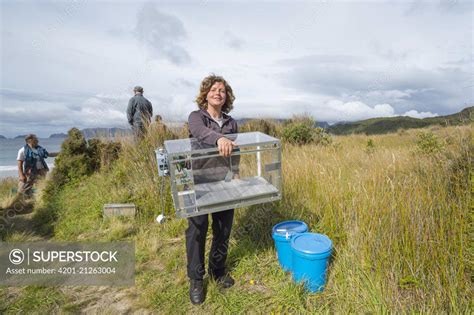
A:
(139, 111)
(207, 132)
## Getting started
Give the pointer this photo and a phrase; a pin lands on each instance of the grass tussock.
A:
(396, 209)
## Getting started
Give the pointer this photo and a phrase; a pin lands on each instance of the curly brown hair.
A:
(205, 87)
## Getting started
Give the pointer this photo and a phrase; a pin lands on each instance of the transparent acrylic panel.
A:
(194, 145)
(204, 182)
(182, 183)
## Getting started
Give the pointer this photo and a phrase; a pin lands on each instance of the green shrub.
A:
(300, 130)
(79, 158)
(305, 119)
(103, 153)
(297, 133)
(73, 161)
(428, 143)
(320, 136)
(370, 146)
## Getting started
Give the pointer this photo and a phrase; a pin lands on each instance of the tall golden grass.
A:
(400, 218)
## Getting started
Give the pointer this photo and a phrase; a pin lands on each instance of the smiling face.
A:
(206, 98)
(217, 95)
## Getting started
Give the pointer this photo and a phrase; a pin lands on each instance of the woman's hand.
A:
(225, 146)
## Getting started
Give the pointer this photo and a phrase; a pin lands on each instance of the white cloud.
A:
(415, 114)
(336, 110)
(82, 68)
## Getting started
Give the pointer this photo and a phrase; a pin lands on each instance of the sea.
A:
(9, 152)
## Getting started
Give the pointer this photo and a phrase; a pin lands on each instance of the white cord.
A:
(162, 186)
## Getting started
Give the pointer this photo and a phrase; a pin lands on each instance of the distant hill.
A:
(96, 132)
(322, 124)
(20, 137)
(58, 135)
(105, 132)
(2, 137)
(392, 124)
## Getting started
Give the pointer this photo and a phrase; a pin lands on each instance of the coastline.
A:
(11, 171)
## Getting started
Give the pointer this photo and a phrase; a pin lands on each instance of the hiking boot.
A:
(225, 281)
(196, 291)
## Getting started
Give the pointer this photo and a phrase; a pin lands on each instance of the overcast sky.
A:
(75, 63)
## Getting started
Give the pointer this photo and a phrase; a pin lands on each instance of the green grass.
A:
(7, 187)
(398, 216)
(34, 300)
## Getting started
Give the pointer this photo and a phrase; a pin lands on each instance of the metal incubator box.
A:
(203, 182)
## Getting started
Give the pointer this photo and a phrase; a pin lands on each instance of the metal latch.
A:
(162, 160)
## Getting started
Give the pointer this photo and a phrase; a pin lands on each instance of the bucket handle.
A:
(287, 235)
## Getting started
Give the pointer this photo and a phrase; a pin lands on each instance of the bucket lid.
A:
(311, 243)
(289, 228)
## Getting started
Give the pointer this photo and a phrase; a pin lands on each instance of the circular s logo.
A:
(16, 256)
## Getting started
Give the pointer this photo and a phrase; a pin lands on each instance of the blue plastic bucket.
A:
(311, 253)
(282, 234)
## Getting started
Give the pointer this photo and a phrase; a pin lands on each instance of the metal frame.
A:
(174, 158)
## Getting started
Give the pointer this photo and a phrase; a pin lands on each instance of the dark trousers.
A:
(196, 242)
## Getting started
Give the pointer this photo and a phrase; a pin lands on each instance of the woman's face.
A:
(216, 95)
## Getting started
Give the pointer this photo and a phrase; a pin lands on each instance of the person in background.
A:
(208, 125)
(139, 113)
(31, 164)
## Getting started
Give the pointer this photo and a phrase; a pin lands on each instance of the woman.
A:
(208, 124)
